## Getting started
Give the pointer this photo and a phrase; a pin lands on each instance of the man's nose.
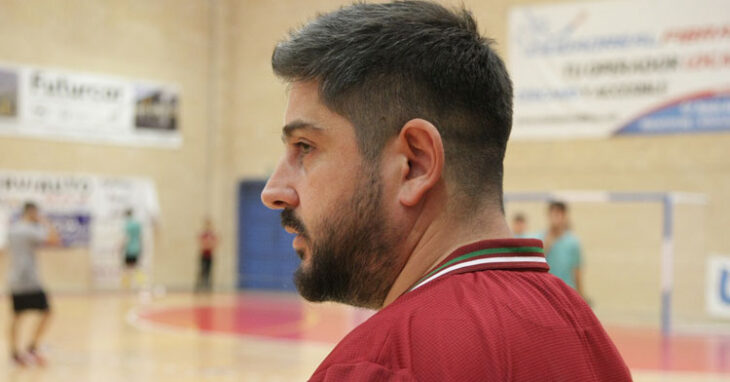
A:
(278, 192)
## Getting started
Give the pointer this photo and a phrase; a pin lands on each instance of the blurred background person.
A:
(562, 247)
(25, 236)
(519, 225)
(132, 249)
(207, 241)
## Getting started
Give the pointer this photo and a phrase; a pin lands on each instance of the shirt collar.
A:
(522, 254)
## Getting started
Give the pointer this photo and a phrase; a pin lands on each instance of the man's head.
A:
(519, 224)
(558, 215)
(30, 212)
(391, 107)
(129, 213)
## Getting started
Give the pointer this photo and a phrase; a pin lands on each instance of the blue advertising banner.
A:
(600, 69)
(74, 228)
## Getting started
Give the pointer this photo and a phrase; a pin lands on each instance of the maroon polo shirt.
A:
(488, 312)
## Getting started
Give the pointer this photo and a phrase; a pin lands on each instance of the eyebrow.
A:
(290, 128)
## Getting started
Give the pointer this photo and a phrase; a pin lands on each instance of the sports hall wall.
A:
(162, 41)
(231, 113)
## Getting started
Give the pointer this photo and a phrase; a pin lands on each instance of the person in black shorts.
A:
(24, 237)
(130, 259)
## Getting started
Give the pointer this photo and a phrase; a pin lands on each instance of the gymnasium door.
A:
(266, 259)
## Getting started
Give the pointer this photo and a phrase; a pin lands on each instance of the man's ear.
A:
(420, 143)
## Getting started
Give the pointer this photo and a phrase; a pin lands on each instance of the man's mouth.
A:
(294, 226)
(299, 244)
(300, 236)
(291, 230)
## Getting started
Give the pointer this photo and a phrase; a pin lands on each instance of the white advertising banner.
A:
(88, 211)
(717, 290)
(599, 69)
(63, 105)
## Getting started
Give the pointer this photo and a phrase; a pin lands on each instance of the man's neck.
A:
(437, 240)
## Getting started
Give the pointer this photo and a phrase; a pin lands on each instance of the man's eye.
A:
(304, 147)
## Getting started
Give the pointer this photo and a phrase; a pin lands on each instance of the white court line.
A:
(641, 375)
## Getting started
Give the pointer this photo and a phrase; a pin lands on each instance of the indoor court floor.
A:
(267, 337)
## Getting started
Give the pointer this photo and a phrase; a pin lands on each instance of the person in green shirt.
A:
(132, 245)
(562, 247)
(133, 240)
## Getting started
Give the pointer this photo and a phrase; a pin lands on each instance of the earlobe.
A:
(422, 146)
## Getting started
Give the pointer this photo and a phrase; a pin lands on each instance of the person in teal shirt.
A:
(132, 249)
(562, 247)
(133, 240)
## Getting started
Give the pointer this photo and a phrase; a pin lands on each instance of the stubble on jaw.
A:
(352, 251)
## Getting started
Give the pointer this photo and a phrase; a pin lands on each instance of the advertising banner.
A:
(63, 105)
(66, 200)
(88, 211)
(600, 69)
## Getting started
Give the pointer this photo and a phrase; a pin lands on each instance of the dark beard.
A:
(352, 260)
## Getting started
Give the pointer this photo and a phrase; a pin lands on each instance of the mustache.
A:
(288, 219)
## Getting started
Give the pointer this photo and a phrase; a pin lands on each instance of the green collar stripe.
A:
(482, 252)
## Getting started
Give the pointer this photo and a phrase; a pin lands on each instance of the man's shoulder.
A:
(428, 333)
(571, 238)
(467, 325)
(435, 317)
(457, 297)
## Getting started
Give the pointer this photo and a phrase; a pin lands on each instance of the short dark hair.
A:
(29, 206)
(381, 65)
(558, 205)
(519, 217)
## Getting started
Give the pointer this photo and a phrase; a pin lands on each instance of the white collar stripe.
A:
(506, 259)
